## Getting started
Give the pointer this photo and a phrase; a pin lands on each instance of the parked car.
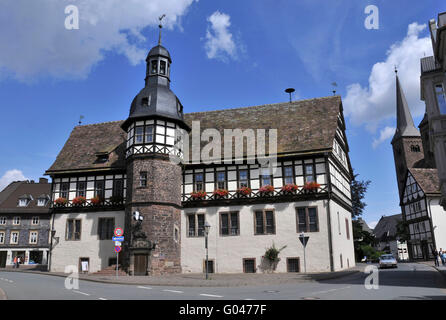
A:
(387, 260)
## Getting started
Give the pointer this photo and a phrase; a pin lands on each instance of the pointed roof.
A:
(404, 122)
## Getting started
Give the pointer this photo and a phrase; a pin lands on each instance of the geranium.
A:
(291, 187)
(244, 191)
(266, 189)
(311, 186)
(61, 201)
(96, 200)
(79, 201)
(198, 195)
(221, 192)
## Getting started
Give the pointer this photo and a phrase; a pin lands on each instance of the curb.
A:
(304, 278)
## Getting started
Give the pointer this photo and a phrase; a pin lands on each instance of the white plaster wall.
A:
(438, 222)
(89, 246)
(340, 243)
(228, 251)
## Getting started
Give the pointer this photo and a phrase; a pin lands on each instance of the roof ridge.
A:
(99, 123)
(262, 105)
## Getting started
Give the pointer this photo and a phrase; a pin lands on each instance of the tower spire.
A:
(404, 122)
(160, 26)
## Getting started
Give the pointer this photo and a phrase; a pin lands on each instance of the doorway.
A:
(140, 267)
(3, 255)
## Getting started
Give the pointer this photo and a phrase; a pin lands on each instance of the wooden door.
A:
(141, 264)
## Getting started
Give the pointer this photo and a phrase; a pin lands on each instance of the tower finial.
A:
(396, 69)
(160, 26)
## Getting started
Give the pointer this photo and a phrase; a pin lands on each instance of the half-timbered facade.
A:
(108, 173)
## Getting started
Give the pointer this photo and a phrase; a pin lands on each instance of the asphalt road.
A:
(408, 281)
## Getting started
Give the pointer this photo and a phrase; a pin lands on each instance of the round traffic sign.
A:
(119, 232)
(117, 249)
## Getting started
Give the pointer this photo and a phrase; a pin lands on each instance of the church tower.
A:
(152, 243)
(406, 143)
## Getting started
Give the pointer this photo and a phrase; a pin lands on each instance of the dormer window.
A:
(101, 157)
(24, 200)
(42, 201)
(154, 68)
(163, 67)
(145, 102)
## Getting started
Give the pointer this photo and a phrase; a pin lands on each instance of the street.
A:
(409, 281)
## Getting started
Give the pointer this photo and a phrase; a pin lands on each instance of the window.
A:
(415, 148)
(293, 265)
(99, 188)
(307, 220)
(199, 183)
(143, 179)
(148, 134)
(118, 187)
(106, 228)
(33, 235)
(229, 224)
(210, 266)
(35, 221)
(16, 221)
(441, 100)
(176, 233)
(41, 202)
(347, 229)
(81, 188)
(73, 231)
(139, 134)
(243, 178)
(288, 176)
(249, 265)
(2, 220)
(195, 225)
(163, 67)
(309, 173)
(264, 222)
(154, 64)
(266, 178)
(64, 190)
(145, 101)
(23, 202)
(2, 237)
(221, 180)
(14, 237)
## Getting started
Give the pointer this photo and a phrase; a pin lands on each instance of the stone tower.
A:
(406, 143)
(153, 204)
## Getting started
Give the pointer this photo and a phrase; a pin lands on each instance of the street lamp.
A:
(207, 226)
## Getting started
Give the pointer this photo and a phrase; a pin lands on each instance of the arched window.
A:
(154, 68)
(163, 67)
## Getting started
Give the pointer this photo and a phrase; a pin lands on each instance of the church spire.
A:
(161, 27)
(404, 122)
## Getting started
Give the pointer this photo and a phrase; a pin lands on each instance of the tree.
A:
(358, 189)
(402, 231)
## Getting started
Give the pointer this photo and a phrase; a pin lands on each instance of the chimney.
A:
(43, 180)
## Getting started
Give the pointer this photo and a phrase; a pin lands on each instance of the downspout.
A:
(330, 240)
(431, 224)
(50, 256)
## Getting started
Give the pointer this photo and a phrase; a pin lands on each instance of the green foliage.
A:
(402, 231)
(370, 252)
(363, 241)
(272, 253)
(358, 189)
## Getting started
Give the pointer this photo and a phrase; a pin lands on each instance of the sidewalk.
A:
(215, 280)
(441, 268)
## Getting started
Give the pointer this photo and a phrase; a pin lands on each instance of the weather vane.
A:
(80, 119)
(334, 84)
(160, 26)
(396, 69)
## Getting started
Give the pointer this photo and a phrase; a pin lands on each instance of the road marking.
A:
(10, 281)
(102, 299)
(86, 294)
(174, 291)
(147, 288)
(331, 290)
(248, 299)
(210, 295)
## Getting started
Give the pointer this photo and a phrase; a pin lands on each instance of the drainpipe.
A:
(330, 240)
(431, 224)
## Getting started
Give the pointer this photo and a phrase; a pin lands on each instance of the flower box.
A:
(199, 195)
(116, 199)
(220, 193)
(244, 191)
(311, 186)
(289, 188)
(266, 190)
(61, 202)
(96, 200)
(79, 201)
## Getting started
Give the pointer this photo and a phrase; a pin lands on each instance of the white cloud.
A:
(376, 102)
(10, 176)
(384, 134)
(219, 41)
(372, 224)
(34, 40)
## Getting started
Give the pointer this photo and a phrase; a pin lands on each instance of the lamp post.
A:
(207, 226)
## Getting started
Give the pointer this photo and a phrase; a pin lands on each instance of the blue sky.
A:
(225, 54)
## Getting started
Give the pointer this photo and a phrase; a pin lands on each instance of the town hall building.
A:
(121, 174)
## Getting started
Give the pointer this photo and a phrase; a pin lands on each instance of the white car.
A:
(387, 260)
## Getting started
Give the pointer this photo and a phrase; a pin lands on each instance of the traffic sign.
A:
(121, 239)
(118, 249)
(118, 243)
(304, 239)
(119, 232)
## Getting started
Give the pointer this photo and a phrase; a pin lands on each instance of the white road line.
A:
(10, 281)
(174, 291)
(147, 288)
(86, 294)
(331, 290)
(248, 299)
(102, 299)
(210, 295)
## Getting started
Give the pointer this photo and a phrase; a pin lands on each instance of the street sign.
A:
(118, 243)
(119, 232)
(117, 249)
(304, 240)
(121, 239)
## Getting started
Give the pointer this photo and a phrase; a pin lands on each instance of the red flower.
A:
(244, 191)
(221, 192)
(96, 200)
(61, 201)
(79, 201)
(313, 185)
(198, 195)
(291, 187)
(266, 189)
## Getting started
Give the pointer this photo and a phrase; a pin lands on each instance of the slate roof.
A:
(427, 179)
(10, 195)
(304, 126)
(386, 227)
(364, 226)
